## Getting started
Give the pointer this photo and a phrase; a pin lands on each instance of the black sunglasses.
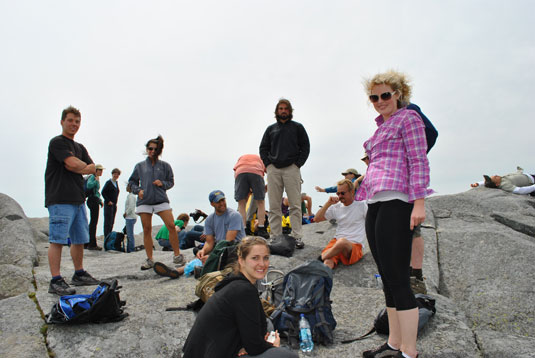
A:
(151, 148)
(384, 96)
(340, 193)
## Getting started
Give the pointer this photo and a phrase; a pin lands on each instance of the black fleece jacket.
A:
(232, 319)
(284, 144)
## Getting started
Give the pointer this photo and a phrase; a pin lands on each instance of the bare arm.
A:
(320, 215)
(418, 213)
(231, 235)
(308, 199)
(76, 165)
(207, 248)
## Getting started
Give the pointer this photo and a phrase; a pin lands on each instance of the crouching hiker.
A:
(232, 322)
(350, 234)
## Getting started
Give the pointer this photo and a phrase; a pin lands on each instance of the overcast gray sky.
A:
(207, 75)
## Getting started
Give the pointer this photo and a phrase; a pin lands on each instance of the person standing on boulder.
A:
(65, 199)
(395, 186)
(150, 180)
(284, 149)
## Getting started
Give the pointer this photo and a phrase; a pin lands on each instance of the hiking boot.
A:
(248, 230)
(165, 248)
(84, 279)
(179, 260)
(418, 286)
(262, 232)
(147, 265)
(61, 288)
(164, 270)
(96, 247)
(380, 352)
(299, 244)
(197, 272)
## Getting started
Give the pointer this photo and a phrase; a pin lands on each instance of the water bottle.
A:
(305, 336)
(379, 281)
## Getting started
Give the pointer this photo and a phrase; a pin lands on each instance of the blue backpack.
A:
(306, 289)
(431, 132)
(103, 305)
(114, 241)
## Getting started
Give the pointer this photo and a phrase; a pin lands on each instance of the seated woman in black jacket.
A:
(232, 323)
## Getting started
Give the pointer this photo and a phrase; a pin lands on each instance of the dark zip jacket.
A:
(284, 144)
(142, 177)
(231, 319)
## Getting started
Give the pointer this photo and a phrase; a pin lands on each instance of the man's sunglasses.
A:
(384, 96)
(151, 148)
(340, 193)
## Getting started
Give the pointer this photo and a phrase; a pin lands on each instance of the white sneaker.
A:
(147, 265)
(179, 260)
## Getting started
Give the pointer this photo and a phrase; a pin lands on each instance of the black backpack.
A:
(307, 290)
(426, 309)
(115, 241)
(283, 245)
(103, 305)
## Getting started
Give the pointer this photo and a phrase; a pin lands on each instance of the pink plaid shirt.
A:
(398, 160)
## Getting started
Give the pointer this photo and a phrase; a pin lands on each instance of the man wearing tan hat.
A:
(351, 174)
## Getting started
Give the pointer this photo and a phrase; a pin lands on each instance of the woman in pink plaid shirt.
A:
(395, 186)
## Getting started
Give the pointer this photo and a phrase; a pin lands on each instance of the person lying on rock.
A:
(348, 241)
(516, 183)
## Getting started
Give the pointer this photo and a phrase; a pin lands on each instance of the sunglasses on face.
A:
(384, 96)
(339, 193)
(150, 149)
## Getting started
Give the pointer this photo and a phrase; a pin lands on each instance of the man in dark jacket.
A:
(284, 150)
(110, 193)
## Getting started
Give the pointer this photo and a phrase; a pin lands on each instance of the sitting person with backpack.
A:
(350, 233)
(224, 224)
(232, 322)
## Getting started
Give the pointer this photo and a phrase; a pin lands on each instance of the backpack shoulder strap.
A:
(372, 330)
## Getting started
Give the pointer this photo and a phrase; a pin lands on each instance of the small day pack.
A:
(431, 132)
(283, 245)
(103, 305)
(114, 241)
(426, 309)
(205, 287)
(307, 290)
(223, 253)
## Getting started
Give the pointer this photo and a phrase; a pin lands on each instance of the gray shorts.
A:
(152, 209)
(246, 181)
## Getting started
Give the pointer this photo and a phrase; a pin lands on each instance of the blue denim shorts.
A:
(67, 221)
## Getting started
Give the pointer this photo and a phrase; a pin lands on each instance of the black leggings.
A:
(390, 239)
(94, 205)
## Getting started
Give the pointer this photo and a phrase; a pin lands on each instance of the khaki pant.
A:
(279, 180)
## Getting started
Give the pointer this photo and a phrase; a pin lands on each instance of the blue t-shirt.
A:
(218, 225)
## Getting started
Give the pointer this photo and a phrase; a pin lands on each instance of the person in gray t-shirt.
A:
(223, 224)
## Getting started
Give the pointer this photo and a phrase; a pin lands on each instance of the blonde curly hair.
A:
(398, 81)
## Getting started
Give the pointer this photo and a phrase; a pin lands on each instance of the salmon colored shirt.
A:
(249, 163)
